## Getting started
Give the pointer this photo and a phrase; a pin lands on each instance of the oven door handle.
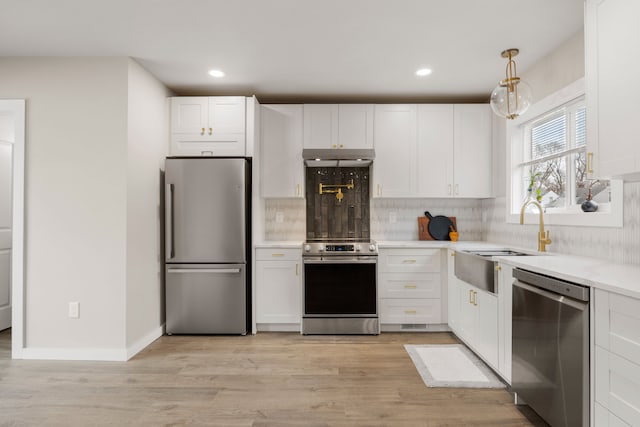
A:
(341, 261)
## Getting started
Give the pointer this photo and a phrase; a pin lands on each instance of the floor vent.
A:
(413, 326)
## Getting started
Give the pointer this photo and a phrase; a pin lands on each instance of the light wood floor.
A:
(271, 379)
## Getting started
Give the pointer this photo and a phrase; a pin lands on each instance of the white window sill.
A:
(611, 216)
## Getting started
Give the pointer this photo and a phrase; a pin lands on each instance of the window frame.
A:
(610, 215)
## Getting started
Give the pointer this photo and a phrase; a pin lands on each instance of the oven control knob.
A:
(357, 248)
(372, 248)
(307, 248)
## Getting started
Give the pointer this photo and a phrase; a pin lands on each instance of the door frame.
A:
(16, 107)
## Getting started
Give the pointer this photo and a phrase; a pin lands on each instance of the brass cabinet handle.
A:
(277, 255)
(409, 261)
(498, 268)
(589, 162)
(341, 146)
(410, 286)
(410, 312)
(335, 146)
(202, 131)
(297, 189)
(379, 190)
(453, 254)
(470, 296)
(210, 131)
(475, 298)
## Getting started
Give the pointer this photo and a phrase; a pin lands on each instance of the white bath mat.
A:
(451, 365)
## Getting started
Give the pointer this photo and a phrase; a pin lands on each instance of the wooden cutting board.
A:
(423, 227)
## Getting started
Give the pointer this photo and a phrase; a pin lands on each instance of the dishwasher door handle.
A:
(579, 305)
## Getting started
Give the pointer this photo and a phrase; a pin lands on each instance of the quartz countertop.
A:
(597, 273)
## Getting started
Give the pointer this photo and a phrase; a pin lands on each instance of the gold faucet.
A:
(543, 238)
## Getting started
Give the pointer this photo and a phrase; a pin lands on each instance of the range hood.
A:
(344, 157)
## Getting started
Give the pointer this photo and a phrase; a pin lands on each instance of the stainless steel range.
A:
(340, 293)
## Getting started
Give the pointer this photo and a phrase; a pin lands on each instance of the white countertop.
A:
(598, 273)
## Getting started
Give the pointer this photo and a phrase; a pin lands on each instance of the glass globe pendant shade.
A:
(509, 100)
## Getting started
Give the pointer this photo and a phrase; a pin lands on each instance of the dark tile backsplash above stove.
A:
(330, 218)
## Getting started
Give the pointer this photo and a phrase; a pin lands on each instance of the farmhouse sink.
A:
(478, 268)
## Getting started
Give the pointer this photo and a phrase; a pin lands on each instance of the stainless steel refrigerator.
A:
(207, 219)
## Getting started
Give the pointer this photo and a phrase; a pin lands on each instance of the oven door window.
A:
(340, 289)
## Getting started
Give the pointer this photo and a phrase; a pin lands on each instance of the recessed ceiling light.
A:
(423, 72)
(216, 73)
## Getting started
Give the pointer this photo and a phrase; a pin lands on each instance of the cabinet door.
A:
(453, 293)
(617, 381)
(505, 282)
(435, 150)
(189, 115)
(355, 126)
(472, 150)
(487, 326)
(468, 314)
(395, 142)
(321, 126)
(611, 34)
(227, 115)
(278, 292)
(281, 167)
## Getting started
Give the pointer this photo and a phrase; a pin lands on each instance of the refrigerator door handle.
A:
(169, 245)
(204, 270)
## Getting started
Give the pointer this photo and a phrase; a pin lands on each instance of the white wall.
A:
(147, 147)
(75, 201)
(557, 70)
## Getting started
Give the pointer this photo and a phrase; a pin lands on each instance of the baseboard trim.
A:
(91, 354)
(143, 342)
(278, 327)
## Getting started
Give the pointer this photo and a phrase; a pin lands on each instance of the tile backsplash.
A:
(396, 219)
(615, 244)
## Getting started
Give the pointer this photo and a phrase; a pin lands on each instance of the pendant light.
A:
(512, 96)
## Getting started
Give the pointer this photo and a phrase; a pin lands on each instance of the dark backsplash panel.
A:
(328, 218)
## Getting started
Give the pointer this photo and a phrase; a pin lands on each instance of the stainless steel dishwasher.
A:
(550, 347)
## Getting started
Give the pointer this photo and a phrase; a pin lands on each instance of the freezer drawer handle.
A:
(203, 270)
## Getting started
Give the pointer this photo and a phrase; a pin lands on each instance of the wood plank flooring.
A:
(270, 379)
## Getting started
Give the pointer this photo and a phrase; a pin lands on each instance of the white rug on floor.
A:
(451, 365)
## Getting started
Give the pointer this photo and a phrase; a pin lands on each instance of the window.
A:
(547, 150)
(554, 167)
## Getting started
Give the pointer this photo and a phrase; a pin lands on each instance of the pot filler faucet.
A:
(543, 237)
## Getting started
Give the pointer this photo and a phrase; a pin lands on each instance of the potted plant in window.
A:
(590, 205)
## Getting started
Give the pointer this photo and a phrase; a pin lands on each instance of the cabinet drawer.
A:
(617, 382)
(409, 285)
(409, 261)
(410, 311)
(278, 254)
(617, 324)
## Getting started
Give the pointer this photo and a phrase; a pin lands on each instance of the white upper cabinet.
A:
(395, 142)
(338, 126)
(472, 151)
(612, 41)
(208, 126)
(435, 150)
(281, 166)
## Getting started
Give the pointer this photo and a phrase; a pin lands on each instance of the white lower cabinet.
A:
(278, 289)
(505, 289)
(453, 293)
(617, 359)
(410, 287)
(478, 322)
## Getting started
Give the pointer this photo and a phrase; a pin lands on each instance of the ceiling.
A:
(303, 50)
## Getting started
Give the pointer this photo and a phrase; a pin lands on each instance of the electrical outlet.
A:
(74, 310)
(393, 217)
(279, 217)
